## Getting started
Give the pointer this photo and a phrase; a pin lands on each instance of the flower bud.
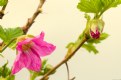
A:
(96, 28)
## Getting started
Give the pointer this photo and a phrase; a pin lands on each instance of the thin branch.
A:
(68, 72)
(84, 39)
(2, 10)
(73, 78)
(7, 45)
(31, 20)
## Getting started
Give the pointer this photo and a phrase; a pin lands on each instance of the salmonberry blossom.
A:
(29, 52)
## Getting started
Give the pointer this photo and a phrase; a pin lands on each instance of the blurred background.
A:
(62, 23)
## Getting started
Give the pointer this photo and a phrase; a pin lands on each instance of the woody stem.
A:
(72, 53)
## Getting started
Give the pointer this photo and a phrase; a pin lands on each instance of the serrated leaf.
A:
(9, 34)
(90, 48)
(3, 2)
(98, 7)
(90, 6)
(110, 3)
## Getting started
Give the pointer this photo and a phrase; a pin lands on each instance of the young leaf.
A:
(5, 72)
(90, 48)
(44, 62)
(3, 2)
(2, 33)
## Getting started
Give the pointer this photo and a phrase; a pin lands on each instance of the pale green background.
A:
(63, 22)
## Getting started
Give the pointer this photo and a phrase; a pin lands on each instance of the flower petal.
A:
(41, 47)
(44, 48)
(27, 59)
(20, 62)
(39, 38)
(35, 62)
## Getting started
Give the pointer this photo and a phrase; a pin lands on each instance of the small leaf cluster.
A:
(5, 73)
(90, 44)
(46, 67)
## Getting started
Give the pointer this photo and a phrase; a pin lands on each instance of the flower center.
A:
(26, 46)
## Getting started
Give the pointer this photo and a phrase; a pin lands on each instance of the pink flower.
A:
(29, 52)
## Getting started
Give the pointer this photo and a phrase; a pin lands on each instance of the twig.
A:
(31, 20)
(73, 78)
(68, 72)
(84, 39)
(2, 10)
(7, 45)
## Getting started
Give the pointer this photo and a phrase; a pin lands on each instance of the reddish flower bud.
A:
(96, 28)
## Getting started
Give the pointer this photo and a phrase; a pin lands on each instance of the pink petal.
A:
(35, 63)
(44, 48)
(41, 47)
(26, 59)
(20, 62)
(39, 38)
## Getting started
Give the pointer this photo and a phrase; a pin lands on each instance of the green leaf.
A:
(3, 2)
(2, 33)
(9, 34)
(48, 68)
(5, 71)
(103, 36)
(44, 62)
(45, 67)
(98, 7)
(90, 6)
(87, 17)
(11, 77)
(90, 48)
(110, 3)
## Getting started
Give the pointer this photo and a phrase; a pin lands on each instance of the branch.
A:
(6, 45)
(68, 72)
(31, 20)
(2, 10)
(72, 53)
(73, 78)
